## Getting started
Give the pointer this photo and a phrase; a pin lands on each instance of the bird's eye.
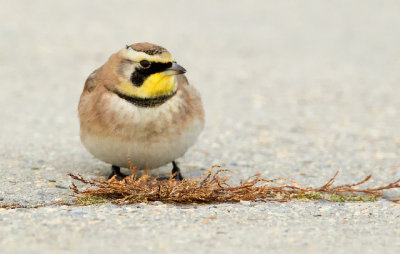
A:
(145, 63)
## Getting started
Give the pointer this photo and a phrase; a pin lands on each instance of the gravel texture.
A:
(255, 228)
(296, 89)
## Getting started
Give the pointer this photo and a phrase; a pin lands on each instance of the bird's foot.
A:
(176, 170)
(115, 171)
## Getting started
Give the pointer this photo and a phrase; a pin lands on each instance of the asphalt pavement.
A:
(295, 89)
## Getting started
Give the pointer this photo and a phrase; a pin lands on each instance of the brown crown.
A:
(148, 48)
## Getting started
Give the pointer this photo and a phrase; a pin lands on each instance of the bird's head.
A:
(145, 72)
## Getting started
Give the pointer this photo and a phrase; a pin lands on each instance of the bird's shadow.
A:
(160, 175)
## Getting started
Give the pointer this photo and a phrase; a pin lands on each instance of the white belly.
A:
(149, 137)
(143, 154)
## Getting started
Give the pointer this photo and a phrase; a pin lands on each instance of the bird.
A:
(139, 108)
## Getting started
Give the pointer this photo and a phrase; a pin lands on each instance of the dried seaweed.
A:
(212, 187)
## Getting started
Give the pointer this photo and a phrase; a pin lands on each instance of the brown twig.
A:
(211, 187)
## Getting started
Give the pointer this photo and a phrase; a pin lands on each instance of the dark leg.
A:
(116, 171)
(176, 170)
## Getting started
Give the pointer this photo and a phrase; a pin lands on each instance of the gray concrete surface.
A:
(295, 89)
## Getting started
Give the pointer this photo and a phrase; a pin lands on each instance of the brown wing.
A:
(191, 96)
(90, 82)
(182, 81)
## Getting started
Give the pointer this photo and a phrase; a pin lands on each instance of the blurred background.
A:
(296, 89)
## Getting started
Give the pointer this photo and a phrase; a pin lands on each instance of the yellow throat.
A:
(156, 85)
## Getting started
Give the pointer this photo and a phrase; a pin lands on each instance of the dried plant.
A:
(9, 205)
(211, 187)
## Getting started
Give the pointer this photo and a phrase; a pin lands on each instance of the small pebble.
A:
(78, 212)
(245, 203)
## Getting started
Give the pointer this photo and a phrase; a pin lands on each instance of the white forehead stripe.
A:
(137, 56)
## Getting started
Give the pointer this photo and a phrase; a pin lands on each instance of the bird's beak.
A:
(175, 69)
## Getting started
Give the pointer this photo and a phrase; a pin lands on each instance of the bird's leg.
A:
(176, 170)
(116, 171)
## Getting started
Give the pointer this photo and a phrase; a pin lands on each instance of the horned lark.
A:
(140, 106)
